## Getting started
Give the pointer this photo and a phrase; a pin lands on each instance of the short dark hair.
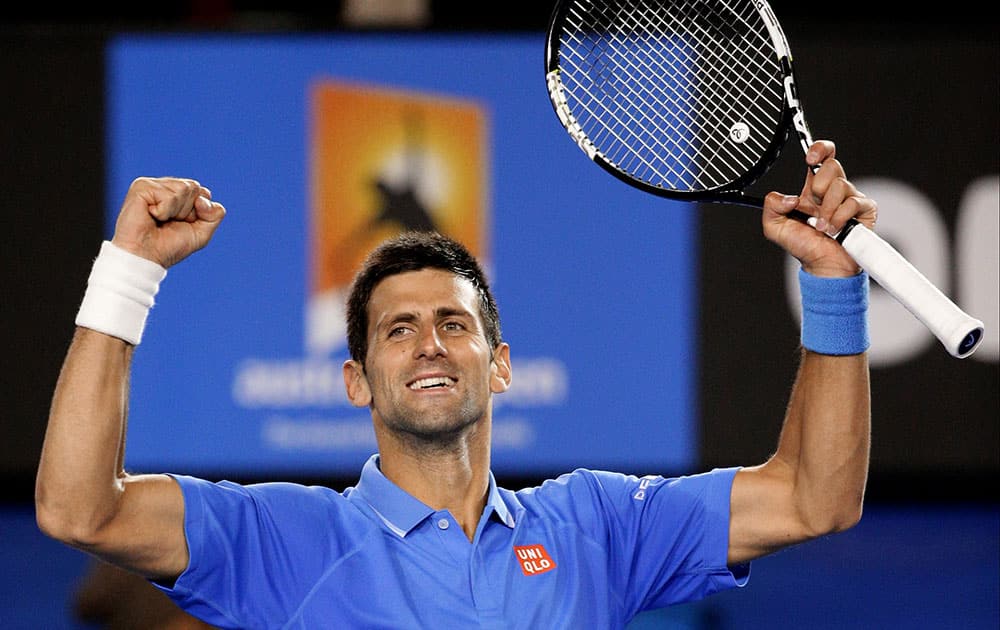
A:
(413, 251)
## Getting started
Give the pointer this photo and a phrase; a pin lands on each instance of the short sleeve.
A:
(667, 538)
(243, 538)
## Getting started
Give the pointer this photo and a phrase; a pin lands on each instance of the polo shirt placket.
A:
(441, 537)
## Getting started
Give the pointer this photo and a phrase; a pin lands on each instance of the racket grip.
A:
(958, 332)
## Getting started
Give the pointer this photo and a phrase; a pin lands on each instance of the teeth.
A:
(437, 381)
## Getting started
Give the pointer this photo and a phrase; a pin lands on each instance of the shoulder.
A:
(275, 498)
(268, 491)
(606, 490)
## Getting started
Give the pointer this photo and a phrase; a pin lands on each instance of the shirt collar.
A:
(400, 511)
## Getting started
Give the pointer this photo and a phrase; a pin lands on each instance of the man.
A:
(427, 538)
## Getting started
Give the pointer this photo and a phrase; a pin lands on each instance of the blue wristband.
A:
(834, 313)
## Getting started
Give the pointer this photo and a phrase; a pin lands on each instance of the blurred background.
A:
(255, 100)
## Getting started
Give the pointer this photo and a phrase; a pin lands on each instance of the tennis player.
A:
(426, 538)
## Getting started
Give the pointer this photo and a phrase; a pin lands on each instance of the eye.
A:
(398, 331)
(453, 326)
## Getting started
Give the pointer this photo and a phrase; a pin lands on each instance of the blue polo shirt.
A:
(588, 549)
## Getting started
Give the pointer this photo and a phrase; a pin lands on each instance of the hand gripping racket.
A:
(694, 100)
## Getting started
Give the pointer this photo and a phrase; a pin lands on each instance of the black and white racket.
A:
(693, 100)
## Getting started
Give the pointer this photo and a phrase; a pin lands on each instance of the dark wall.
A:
(52, 181)
(902, 103)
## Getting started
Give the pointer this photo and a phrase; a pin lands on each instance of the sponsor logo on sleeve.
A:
(640, 494)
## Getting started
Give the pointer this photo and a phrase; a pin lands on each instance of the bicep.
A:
(146, 535)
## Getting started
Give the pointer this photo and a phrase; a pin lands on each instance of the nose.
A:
(429, 345)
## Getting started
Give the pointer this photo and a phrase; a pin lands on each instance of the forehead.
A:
(416, 291)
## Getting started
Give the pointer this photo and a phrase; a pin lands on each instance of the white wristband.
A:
(119, 294)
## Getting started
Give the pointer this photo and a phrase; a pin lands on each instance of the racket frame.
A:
(733, 192)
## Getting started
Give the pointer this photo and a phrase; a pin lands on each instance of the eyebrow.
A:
(439, 313)
(448, 311)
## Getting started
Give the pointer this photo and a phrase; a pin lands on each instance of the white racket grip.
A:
(959, 332)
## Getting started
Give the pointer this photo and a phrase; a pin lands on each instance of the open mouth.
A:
(434, 382)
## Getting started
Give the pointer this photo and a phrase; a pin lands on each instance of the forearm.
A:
(80, 476)
(814, 484)
(825, 440)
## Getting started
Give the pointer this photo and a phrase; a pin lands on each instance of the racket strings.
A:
(615, 106)
(711, 88)
(720, 79)
(631, 126)
(659, 88)
(610, 121)
(658, 73)
(710, 53)
(729, 88)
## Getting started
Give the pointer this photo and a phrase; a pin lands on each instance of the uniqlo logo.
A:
(534, 559)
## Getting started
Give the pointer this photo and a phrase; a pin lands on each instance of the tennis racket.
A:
(694, 100)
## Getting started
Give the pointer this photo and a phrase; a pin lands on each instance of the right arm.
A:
(83, 496)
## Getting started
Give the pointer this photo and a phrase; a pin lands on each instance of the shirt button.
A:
(443, 524)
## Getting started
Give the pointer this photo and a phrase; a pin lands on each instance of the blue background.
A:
(586, 270)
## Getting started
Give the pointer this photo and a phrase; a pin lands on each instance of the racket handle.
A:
(959, 332)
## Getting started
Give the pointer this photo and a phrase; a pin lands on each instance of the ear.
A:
(356, 383)
(500, 371)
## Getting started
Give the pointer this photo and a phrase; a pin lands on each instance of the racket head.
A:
(685, 99)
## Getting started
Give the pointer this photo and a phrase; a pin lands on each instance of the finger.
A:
(202, 207)
(858, 207)
(844, 212)
(208, 210)
(188, 191)
(821, 158)
(210, 215)
(833, 208)
(777, 205)
(774, 218)
(820, 151)
(827, 175)
(825, 190)
(172, 198)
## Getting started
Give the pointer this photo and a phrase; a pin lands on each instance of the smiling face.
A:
(429, 370)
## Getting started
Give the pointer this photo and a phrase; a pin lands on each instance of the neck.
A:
(450, 474)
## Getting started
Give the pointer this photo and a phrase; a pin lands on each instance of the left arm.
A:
(814, 483)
